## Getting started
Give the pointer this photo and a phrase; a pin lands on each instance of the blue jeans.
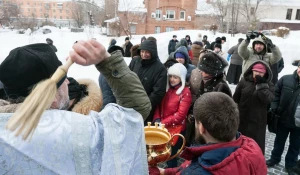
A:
(291, 157)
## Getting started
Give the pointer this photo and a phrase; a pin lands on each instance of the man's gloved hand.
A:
(260, 79)
(269, 42)
(248, 35)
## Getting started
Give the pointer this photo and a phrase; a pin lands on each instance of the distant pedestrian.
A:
(172, 44)
(126, 47)
(206, 43)
(188, 40)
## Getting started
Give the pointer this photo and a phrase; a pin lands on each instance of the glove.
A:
(269, 43)
(228, 57)
(248, 35)
(260, 79)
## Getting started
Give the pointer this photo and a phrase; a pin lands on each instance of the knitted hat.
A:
(218, 40)
(224, 38)
(179, 55)
(259, 67)
(127, 38)
(25, 66)
(174, 36)
(218, 45)
(205, 37)
(212, 63)
(179, 70)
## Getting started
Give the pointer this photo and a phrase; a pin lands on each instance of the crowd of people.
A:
(190, 94)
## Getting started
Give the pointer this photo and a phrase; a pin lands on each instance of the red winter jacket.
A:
(174, 108)
(239, 157)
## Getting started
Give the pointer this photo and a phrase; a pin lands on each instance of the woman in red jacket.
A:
(175, 105)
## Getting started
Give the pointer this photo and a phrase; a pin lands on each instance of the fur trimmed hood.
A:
(92, 102)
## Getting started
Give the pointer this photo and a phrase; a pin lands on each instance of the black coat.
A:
(253, 100)
(276, 69)
(152, 73)
(171, 46)
(127, 50)
(284, 93)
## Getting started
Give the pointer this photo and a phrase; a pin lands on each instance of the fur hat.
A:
(179, 70)
(26, 66)
(212, 63)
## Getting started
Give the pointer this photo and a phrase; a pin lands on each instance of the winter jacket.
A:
(53, 47)
(235, 57)
(184, 43)
(276, 69)
(249, 56)
(239, 157)
(206, 44)
(108, 96)
(197, 86)
(171, 46)
(152, 74)
(284, 93)
(174, 108)
(196, 48)
(253, 100)
(188, 66)
(127, 48)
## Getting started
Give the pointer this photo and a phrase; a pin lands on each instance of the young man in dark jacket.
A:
(285, 103)
(152, 73)
(172, 44)
(127, 46)
(224, 150)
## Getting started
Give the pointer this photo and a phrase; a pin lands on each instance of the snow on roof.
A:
(280, 21)
(281, 2)
(204, 8)
(112, 20)
(132, 6)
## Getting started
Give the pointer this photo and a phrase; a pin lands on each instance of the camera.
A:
(253, 34)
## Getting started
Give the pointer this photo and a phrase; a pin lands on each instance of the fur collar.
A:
(91, 102)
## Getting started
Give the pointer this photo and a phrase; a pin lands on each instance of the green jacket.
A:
(125, 84)
(250, 56)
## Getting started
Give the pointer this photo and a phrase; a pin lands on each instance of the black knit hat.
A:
(212, 64)
(224, 38)
(127, 38)
(25, 66)
(76, 91)
(218, 45)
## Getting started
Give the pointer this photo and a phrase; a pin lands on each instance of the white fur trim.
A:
(179, 70)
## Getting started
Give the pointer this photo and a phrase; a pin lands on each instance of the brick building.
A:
(161, 16)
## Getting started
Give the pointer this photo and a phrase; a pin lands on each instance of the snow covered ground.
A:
(64, 39)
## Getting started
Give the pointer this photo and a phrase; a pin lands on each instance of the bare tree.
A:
(8, 12)
(249, 9)
(222, 8)
(234, 15)
(78, 14)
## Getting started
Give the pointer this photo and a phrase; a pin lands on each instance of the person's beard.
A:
(64, 102)
(199, 139)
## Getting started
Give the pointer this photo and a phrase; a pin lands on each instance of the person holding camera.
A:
(258, 51)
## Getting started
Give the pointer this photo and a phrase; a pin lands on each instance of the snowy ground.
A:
(64, 39)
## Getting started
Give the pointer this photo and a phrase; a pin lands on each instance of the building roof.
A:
(112, 20)
(132, 6)
(280, 21)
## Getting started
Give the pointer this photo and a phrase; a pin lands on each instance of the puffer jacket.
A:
(152, 74)
(285, 92)
(196, 48)
(239, 157)
(174, 108)
(249, 55)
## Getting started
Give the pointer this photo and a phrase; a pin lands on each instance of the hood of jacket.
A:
(92, 102)
(261, 41)
(217, 156)
(182, 42)
(248, 73)
(113, 42)
(184, 51)
(151, 47)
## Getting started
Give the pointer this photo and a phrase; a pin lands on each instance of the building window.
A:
(170, 14)
(182, 15)
(298, 14)
(133, 29)
(158, 14)
(181, 28)
(252, 11)
(169, 29)
(157, 29)
(59, 5)
(289, 14)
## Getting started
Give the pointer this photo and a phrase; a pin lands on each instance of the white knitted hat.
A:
(179, 70)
